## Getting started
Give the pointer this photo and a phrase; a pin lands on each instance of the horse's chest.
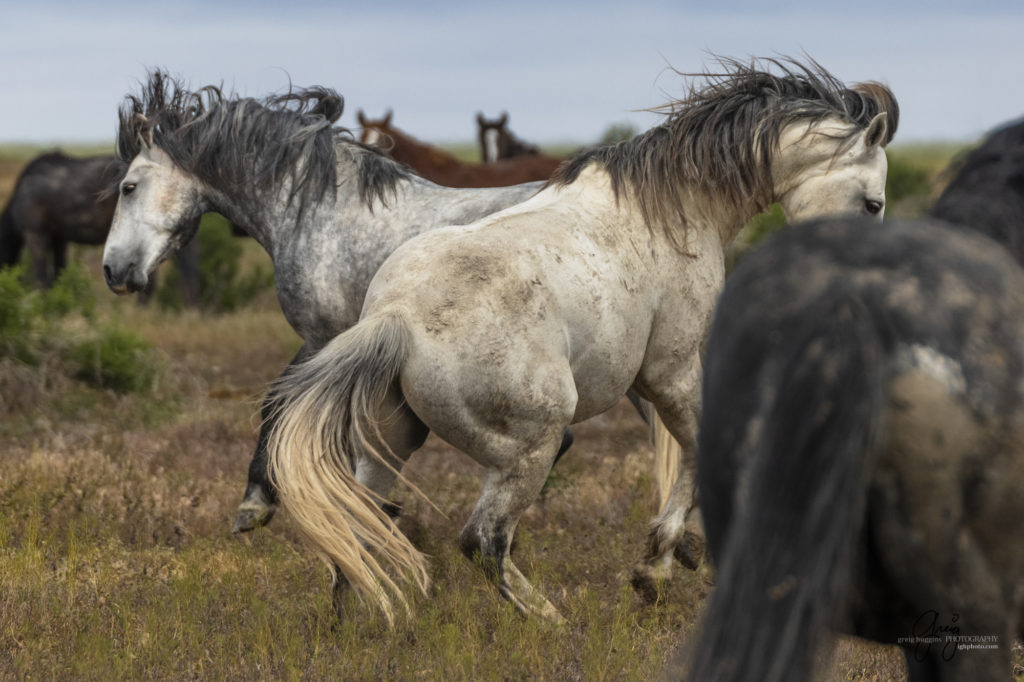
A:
(318, 301)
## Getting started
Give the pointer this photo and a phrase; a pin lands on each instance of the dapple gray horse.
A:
(327, 209)
(500, 334)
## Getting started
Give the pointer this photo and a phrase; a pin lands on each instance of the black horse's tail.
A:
(784, 572)
(10, 239)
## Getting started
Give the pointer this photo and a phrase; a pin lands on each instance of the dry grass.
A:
(116, 560)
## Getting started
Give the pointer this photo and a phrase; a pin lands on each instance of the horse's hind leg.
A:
(403, 433)
(487, 536)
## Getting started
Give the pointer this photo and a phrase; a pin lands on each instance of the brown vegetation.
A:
(117, 562)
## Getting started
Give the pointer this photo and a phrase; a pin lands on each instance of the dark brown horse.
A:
(443, 168)
(59, 199)
(498, 142)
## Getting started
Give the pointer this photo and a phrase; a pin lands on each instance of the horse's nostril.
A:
(107, 274)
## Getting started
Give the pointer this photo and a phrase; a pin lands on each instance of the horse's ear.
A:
(480, 118)
(144, 130)
(503, 120)
(330, 107)
(877, 133)
(387, 117)
(361, 117)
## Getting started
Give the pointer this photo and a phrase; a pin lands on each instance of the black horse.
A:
(59, 199)
(861, 451)
(986, 189)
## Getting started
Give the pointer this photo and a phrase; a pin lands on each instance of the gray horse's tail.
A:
(325, 417)
(785, 565)
(10, 239)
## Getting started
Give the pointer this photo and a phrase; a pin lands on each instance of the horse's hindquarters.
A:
(944, 503)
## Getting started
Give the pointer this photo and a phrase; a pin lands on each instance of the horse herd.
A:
(850, 410)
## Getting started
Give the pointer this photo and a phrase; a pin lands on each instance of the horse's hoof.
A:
(646, 583)
(252, 515)
(690, 551)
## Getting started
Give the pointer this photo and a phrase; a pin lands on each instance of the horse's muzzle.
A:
(124, 279)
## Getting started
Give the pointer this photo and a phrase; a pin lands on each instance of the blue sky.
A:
(563, 70)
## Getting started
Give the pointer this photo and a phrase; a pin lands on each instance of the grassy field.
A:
(117, 562)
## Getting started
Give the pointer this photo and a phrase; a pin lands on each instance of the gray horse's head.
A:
(157, 212)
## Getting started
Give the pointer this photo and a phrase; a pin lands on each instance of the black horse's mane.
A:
(248, 146)
(722, 135)
(986, 189)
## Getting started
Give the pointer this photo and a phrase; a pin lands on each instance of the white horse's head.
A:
(157, 210)
(821, 170)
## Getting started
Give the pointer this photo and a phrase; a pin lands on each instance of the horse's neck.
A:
(265, 221)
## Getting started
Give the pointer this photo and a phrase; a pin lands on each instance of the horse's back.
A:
(986, 192)
(61, 198)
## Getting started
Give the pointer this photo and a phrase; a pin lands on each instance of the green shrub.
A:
(905, 179)
(16, 315)
(32, 328)
(763, 224)
(618, 132)
(117, 359)
(72, 292)
(224, 285)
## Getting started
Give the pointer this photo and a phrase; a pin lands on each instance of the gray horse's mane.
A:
(248, 147)
(721, 136)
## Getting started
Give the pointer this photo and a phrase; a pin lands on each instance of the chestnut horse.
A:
(442, 167)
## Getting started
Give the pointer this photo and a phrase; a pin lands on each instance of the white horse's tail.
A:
(667, 454)
(325, 417)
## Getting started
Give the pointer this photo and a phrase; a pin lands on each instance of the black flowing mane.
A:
(722, 135)
(248, 147)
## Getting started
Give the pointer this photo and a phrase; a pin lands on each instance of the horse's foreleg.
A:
(187, 260)
(40, 254)
(260, 499)
(60, 258)
(677, 531)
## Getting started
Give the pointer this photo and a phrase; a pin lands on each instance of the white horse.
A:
(500, 334)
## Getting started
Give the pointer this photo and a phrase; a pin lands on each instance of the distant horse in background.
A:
(499, 334)
(861, 452)
(986, 190)
(441, 167)
(59, 199)
(498, 142)
(327, 209)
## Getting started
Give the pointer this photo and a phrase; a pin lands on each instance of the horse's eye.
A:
(873, 207)
(127, 188)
